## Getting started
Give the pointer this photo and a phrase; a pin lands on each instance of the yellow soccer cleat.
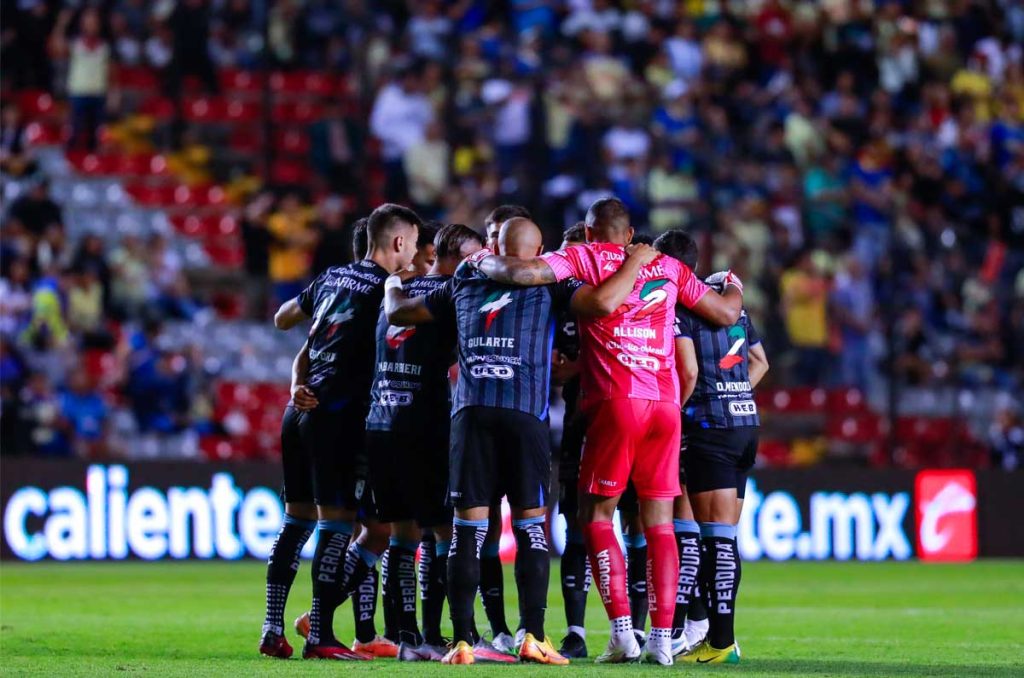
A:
(462, 653)
(705, 654)
(540, 651)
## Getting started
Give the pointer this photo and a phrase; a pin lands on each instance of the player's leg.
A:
(604, 472)
(492, 582)
(361, 573)
(656, 477)
(525, 469)
(575, 575)
(434, 517)
(689, 623)
(717, 476)
(405, 539)
(636, 561)
(321, 434)
(299, 523)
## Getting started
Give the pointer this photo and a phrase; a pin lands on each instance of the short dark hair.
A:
(608, 214)
(643, 239)
(575, 233)
(385, 218)
(360, 239)
(502, 213)
(452, 237)
(428, 231)
(678, 244)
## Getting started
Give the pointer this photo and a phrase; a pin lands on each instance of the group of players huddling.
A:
(383, 457)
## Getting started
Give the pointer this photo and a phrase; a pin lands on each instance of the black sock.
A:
(332, 544)
(688, 541)
(359, 560)
(390, 611)
(533, 570)
(364, 607)
(698, 610)
(575, 579)
(720, 576)
(281, 568)
(402, 585)
(636, 573)
(433, 561)
(464, 575)
(492, 588)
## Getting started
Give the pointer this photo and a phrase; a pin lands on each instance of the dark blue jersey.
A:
(567, 342)
(344, 302)
(506, 334)
(723, 397)
(410, 383)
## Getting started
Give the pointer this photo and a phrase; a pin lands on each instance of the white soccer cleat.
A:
(504, 642)
(679, 644)
(622, 649)
(658, 651)
(695, 632)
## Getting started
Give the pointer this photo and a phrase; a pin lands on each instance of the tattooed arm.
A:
(513, 271)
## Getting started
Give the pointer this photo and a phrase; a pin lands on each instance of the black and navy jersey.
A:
(344, 302)
(506, 334)
(410, 382)
(567, 342)
(723, 397)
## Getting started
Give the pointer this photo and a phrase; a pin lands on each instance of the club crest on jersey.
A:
(338, 316)
(652, 295)
(733, 358)
(396, 336)
(492, 306)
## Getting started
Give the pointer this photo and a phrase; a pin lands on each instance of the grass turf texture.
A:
(839, 619)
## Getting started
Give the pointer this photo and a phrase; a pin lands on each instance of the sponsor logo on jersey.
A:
(332, 316)
(733, 358)
(492, 372)
(652, 295)
(640, 362)
(742, 408)
(492, 306)
(396, 336)
(946, 515)
(395, 398)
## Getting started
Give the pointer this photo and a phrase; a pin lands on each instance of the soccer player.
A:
(407, 440)
(631, 399)
(720, 367)
(499, 427)
(492, 579)
(321, 445)
(575, 566)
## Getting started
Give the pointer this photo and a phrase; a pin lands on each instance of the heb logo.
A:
(492, 372)
(947, 525)
(641, 362)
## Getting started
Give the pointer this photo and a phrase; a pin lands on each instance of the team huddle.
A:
(384, 457)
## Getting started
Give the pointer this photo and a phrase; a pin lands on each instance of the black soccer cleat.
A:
(573, 646)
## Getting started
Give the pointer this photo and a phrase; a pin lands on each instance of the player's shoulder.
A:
(427, 283)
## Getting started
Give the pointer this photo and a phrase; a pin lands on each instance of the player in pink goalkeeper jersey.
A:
(630, 395)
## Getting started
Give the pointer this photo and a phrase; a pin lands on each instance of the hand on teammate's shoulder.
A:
(644, 252)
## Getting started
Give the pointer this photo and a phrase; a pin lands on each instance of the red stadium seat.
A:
(242, 111)
(35, 103)
(235, 80)
(292, 141)
(160, 108)
(152, 196)
(290, 172)
(863, 429)
(228, 255)
(246, 140)
(205, 109)
(136, 77)
(44, 134)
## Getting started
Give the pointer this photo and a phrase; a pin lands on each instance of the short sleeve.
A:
(691, 288)
(753, 336)
(307, 297)
(565, 263)
(563, 292)
(683, 323)
(439, 300)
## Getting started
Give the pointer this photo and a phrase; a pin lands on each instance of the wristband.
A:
(392, 282)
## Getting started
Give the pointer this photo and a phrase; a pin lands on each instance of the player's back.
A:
(344, 302)
(631, 352)
(410, 384)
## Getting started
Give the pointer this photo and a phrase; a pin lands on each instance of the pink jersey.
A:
(630, 353)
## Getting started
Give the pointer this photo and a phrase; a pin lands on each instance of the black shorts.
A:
(718, 458)
(573, 433)
(498, 452)
(409, 474)
(324, 458)
(629, 502)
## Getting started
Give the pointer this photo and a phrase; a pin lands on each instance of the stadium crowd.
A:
(860, 164)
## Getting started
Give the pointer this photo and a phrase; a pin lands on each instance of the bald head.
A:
(521, 238)
(608, 221)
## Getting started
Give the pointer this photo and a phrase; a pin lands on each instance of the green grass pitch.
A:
(836, 619)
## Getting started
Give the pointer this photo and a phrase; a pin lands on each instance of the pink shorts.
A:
(631, 439)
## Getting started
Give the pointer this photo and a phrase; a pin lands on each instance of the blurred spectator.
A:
(190, 25)
(13, 159)
(291, 248)
(35, 210)
(853, 310)
(84, 416)
(256, 240)
(130, 288)
(399, 119)
(15, 299)
(334, 244)
(39, 414)
(1006, 437)
(804, 294)
(336, 147)
(426, 164)
(89, 61)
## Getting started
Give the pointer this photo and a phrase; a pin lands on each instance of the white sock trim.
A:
(579, 631)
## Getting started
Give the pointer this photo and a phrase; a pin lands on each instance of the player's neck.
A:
(386, 260)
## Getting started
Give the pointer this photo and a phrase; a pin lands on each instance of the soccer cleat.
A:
(503, 642)
(421, 653)
(274, 645)
(679, 644)
(302, 625)
(540, 651)
(695, 632)
(658, 651)
(641, 639)
(705, 654)
(574, 646)
(335, 650)
(486, 653)
(378, 647)
(622, 649)
(462, 653)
